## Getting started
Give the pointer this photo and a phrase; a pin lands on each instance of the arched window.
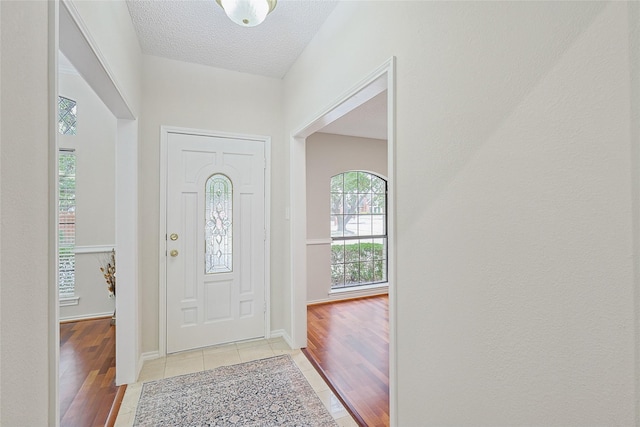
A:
(358, 229)
(218, 224)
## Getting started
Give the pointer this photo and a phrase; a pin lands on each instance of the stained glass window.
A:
(358, 229)
(218, 224)
(66, 116)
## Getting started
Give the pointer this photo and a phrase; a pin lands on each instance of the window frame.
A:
(360, 238)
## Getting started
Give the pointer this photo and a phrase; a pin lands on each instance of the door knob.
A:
(174, 253)
(173, 236)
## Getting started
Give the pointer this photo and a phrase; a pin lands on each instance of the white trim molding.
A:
(86, 317)
(77, 44)
(312, 242)
(149, 355)
(381, 79)
(68, 301)
(282, 333)
(94, 249)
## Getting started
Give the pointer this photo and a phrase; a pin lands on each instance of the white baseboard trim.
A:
(86, 317)
(150, 355)
(282, 333)
(351, 294)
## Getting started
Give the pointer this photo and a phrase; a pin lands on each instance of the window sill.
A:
(67, 301)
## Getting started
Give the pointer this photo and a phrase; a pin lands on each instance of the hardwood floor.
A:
(87, 372)
(349, 342)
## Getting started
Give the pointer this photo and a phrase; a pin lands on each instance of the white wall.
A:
(328, 155)
(200, 97)
(27, 325)
(26, 380)
(515, 261)
(94, 147)
(113, 65)
(113, 34)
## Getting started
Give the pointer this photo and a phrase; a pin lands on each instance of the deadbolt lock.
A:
(173, 236)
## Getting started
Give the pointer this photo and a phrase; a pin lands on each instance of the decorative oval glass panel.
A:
(218, 230)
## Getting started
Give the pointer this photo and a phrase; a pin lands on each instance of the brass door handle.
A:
(174, 253)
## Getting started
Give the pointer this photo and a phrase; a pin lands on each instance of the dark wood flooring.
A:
(348, 342)
(87, 372)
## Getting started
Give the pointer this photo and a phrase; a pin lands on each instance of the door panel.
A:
(228, 303)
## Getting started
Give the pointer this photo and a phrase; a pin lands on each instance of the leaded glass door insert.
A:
(219, 225)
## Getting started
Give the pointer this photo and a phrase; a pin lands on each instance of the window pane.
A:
(378, 225)
(378, 185)
(336, 184)
(337, 226)
(364, 225)
(379, 204)
(336, 203)
(380, 271)
(366, 272)
(350, 182)
(66, 223)
(337, 275)
(66, 116)
(366, 250)
(350, 225)
(351, 273)
(218, 225)
(337, 252)
(352, 251)
(379, 249)
(364, 182)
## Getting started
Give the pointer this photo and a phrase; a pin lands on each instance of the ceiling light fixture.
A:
(247, 13)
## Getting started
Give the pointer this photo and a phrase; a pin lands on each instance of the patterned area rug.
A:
(266, 392)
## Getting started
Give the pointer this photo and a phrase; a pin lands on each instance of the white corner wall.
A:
(27, 381)
(113, 34)
(113, 66)
(516, 288)
(194, 96)
(94, 147)
(328, 155)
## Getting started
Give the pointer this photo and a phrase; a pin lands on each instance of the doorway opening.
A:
(381, 81)
(75, 42)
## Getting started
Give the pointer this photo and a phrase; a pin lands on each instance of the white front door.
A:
(215, 241)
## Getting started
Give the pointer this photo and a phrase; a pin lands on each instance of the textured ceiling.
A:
(198, 31)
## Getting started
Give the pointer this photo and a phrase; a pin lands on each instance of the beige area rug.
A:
(267, 392)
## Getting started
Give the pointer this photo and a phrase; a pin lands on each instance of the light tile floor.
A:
(229, 354)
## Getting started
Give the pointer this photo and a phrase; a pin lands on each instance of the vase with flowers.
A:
(108, 269)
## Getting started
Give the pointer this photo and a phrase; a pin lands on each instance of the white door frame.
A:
(376, 82)
(79, 47)
(162, 273)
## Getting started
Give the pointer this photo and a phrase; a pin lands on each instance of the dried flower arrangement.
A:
(108, 270)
